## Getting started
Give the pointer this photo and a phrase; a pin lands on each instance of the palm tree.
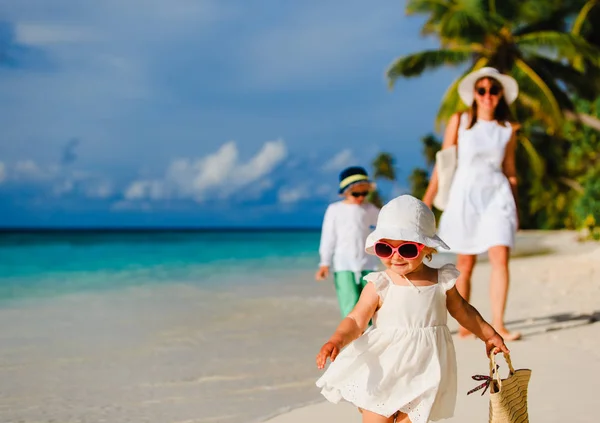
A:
(431, 145)
(419, 180)
(526, 38)
(384, 167)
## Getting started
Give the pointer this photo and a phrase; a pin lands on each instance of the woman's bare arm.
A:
(509, 165)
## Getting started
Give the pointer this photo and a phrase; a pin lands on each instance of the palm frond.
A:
(563, 45)
(538, 165)
(582, 16)
(553, 19)
(384, 167)
(466, 22)
(545, 93)
(431, 145)
(571, 183)
(585, 85)
(434, 7)
(415, 64)
(534, 110)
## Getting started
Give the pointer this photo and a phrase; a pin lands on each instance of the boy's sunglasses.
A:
(494, 90)
(406, 250)
(358, 194)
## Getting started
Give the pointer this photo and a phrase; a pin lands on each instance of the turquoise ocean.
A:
(159, 326)
(47, 263)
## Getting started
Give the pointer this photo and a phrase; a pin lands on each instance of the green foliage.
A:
(375, 198)
(587, 207)
(528, 38)
(419, 179)
(431, 145)
(384, 167)
(552, 48)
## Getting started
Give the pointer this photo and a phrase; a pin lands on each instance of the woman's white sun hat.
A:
(405, 218)
(466, 87)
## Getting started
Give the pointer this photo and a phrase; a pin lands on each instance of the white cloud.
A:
(340, 161)
(36, 34)
(99, 189)
(221, 173)
(29, 170)
(154, 190)
(288, 195)
(63, 187)
(57, 180)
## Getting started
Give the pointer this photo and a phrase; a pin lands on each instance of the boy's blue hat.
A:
(352, 175)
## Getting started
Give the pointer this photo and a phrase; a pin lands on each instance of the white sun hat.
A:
(466, 87)
(405, 218)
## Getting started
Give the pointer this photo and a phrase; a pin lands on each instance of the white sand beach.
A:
(179, 352)
(555, 302)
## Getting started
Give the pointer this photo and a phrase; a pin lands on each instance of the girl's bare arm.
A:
(352, 326)
(469, 317)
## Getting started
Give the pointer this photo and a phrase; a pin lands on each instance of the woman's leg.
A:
(465, 264)
(370, 417)
(499, 256)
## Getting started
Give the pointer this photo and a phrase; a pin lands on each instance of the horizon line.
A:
(31, 229)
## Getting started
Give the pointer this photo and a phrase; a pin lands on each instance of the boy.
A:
(346, 225)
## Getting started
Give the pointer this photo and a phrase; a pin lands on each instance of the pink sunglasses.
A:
(406, 250)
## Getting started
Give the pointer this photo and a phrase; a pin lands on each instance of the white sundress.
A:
(481, 211)
(405, 361)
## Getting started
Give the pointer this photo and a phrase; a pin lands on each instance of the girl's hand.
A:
(495, 344)
(330, 350)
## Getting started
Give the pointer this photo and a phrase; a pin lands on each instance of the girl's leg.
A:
(402, 418)
(347, 291)
(370, 417)
(465, 264)
(499, 256)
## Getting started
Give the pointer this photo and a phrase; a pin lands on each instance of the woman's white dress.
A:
(481, 211)
(405, 361)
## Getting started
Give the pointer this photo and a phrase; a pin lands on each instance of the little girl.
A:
(403, 368)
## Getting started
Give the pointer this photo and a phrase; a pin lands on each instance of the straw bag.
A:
(445, 165)
(508, 397)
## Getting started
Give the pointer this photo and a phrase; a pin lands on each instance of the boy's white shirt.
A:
(345, 230)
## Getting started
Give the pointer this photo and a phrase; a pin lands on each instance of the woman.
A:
(481, 213)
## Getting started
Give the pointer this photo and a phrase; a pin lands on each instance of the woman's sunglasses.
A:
(406, 250)
(358, 194)
(494, 90)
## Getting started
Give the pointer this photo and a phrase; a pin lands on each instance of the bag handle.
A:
(494, 373)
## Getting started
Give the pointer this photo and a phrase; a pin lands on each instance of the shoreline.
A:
(208, 350)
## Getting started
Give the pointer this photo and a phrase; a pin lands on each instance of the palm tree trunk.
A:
(587, 120)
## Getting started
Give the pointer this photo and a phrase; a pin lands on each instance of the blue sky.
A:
(201, 112)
